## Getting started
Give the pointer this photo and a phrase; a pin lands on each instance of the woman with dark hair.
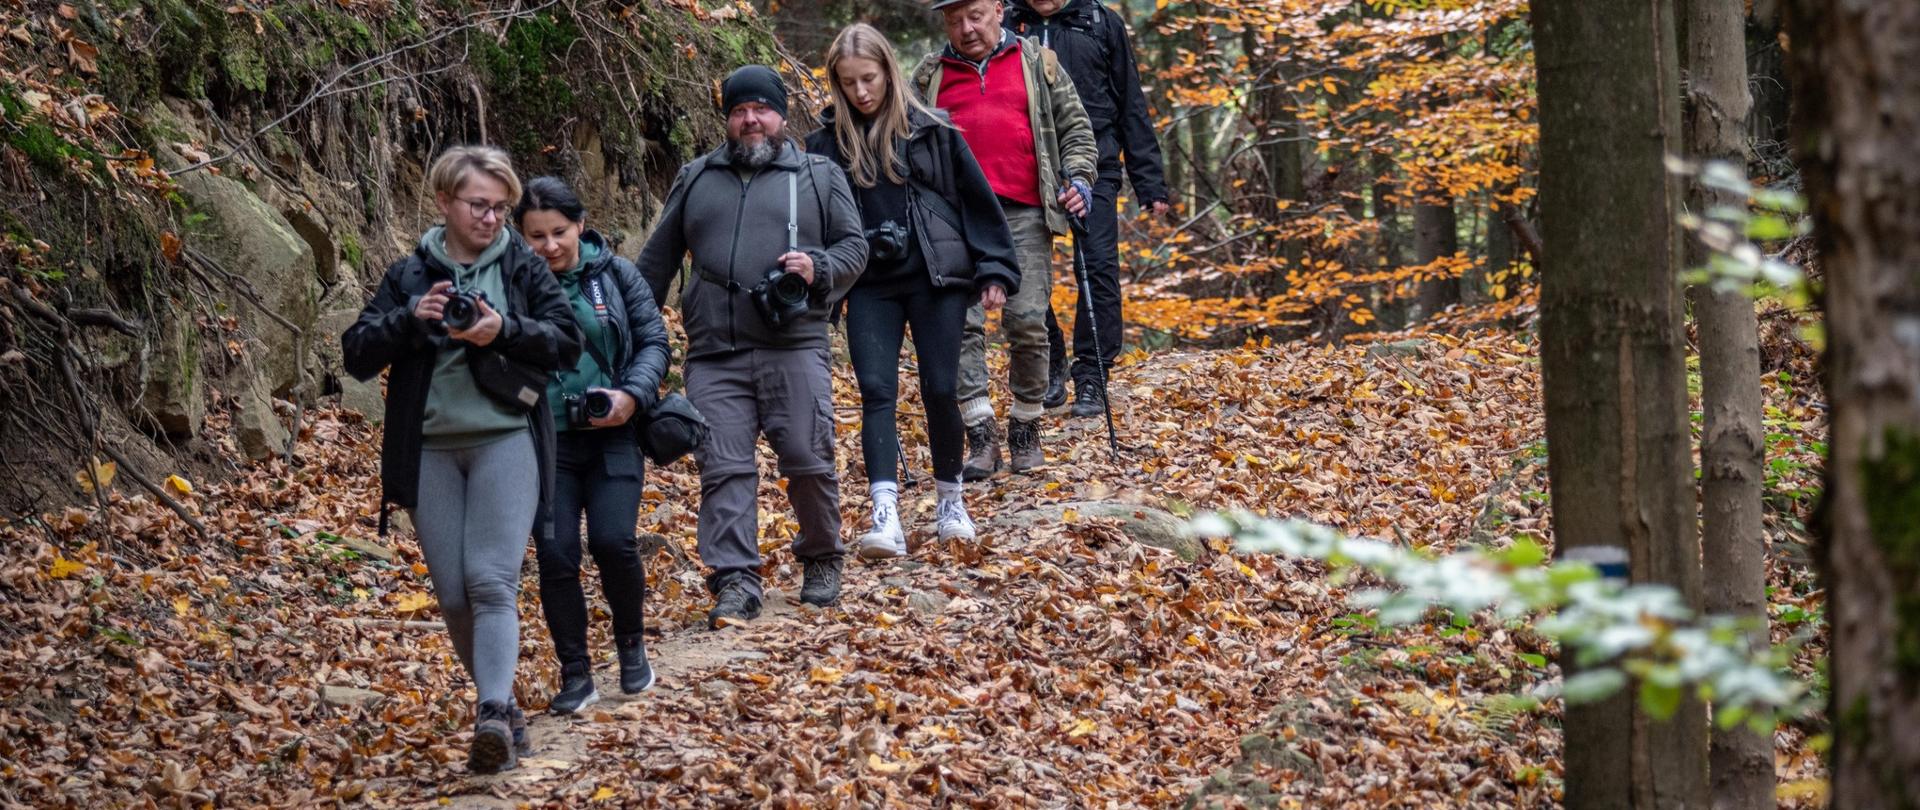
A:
(598, 469)
(470, 325)
(936, 243)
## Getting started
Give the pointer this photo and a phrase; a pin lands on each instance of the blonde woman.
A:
(937, 243)
(471, 325)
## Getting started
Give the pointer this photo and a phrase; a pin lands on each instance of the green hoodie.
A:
(458, 414)
(595, 331)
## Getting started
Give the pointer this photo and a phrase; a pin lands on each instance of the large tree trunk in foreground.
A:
(1740, 762)
(1611, 357)
(1857, 120)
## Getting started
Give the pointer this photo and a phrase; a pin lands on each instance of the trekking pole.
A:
(1079, 227)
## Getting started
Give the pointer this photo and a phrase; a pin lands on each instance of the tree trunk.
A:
(1384, 211)
(1436, 234)
(1732, 444)
(1175, 157)
(1619, 456)
(1499, 239)
(1856, 121)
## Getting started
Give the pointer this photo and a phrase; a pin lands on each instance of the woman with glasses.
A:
(936, 242)
(597, 468)
(470, 325)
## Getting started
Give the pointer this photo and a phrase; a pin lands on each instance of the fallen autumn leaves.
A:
(1054, 663)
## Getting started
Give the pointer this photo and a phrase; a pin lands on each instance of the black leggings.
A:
(596, 472)
(877, 320)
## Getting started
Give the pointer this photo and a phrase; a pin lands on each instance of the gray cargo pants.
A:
(1024, 321)
(787, 395)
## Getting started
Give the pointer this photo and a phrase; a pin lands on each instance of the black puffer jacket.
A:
(536, 328)
(643, 354)
(957, 221)
(1092, 43)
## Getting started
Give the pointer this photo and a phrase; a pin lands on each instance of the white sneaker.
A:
(887, 540)
(952, 522)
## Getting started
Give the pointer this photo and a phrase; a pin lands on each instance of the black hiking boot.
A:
(636, 675)
(492, 750)
(576, 690)
(1023, 444)
(1056, 395)
(983, 452)
(821, 586)
(736, 603)
(1089, 398)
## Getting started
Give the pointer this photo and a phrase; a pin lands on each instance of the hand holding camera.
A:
(797, 263)
(466, 315)
(599, 407)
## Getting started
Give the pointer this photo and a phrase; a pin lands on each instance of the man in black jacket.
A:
(1092, 43)
(755, 204)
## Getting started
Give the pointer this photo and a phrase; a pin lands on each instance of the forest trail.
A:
(1056, 662)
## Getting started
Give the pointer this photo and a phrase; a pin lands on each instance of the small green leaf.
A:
(1659, 700)
(1534, 659)
(1593, 685)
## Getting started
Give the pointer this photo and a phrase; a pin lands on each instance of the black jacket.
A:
(1092, 43)
(734, 229)
(642, 359)
(956, 218)
(537, 329)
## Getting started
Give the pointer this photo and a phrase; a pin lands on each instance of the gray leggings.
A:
(474, 517)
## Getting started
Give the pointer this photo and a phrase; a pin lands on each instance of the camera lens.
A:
(790, 288)
(459, 312)
(598, 404)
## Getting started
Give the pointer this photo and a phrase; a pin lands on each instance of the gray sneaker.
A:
(822, 584)
(492, 750)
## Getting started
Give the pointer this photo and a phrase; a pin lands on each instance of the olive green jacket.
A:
(1063, 136)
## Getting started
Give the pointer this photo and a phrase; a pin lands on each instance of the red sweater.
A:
(991, 112)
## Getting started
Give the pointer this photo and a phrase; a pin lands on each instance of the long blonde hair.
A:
(871, 152)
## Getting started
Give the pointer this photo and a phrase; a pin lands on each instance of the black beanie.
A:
(753, 83)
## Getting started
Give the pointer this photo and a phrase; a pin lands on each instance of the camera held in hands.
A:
(781, 297)
(887, 242)
(462, 309)
(582, 409)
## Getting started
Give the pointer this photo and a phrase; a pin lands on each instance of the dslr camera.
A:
(582, 409)
(781, 297)
(462, 309)
(887, 241)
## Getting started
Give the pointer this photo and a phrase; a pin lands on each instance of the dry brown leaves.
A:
(1054, 663)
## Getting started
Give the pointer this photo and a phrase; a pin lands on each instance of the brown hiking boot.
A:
(1023, 444)
(983, 452)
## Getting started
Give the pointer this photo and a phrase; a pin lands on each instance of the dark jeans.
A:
(597, 472)
(877, 319)
(1101, 252)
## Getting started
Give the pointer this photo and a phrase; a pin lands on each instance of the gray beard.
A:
(755, 157)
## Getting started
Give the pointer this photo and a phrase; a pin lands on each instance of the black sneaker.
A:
(734, 602)
(522, 741)
(1089, 398)
(1056, 395)
(492, 750)
(822, 584)
(636, 675)
(577, 692)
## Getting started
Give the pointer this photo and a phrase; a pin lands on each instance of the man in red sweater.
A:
(1020, 115)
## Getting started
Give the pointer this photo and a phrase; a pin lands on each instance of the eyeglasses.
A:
(481, 208)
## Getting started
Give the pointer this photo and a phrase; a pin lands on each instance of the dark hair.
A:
(549, 194)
